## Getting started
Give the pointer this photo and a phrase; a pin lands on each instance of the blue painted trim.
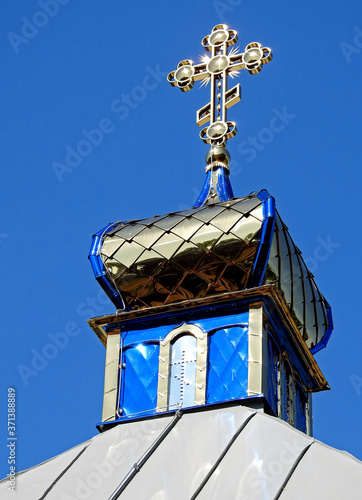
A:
(204, 192)
(223, 188)
(325, 339)
(99, 270)
(267, 231)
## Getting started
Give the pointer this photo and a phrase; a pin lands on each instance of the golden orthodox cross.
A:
(216, 69)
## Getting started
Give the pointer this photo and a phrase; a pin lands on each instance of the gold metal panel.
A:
(147, 264)
(246, 228)
(321, 321)
(187, 228)
(169, 222)
(181, 294)
(168, 244)
(298, 311)
(228, 247)
(131, 284)
(148, 236)
(192, 286)
(170, 276)
(283, 247)
(298, 292)
(256, 354)
(210, 268)
(206, 237)
(226, 220)
(232, 279)
(111, 245)
(188, 256)
(111, 378)
(190, 211)
(209, 213)
(129, 231)
(245, 258)
(191, 266)
(258, 213)
(245, 206)
(128, 253)
(115, 269)
(152, 220)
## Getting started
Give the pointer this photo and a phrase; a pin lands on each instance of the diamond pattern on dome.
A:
(127, 253)
(287, 270)
(185, 255)
(168, 244)
(147, 237)
(206, 237)
(188, 256)
(130, 231)
(226, 220)
(147, 264)
(227, 247)
(186, 228)
(113, 246)
(209, 213)
(247, 205)
(246, 228)
(169, 222)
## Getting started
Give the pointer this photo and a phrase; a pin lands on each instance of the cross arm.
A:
(252, 59)
(186, 74)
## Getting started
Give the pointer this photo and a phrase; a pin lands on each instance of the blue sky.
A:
(68, 66)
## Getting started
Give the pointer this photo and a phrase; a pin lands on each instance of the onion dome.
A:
(209, 251)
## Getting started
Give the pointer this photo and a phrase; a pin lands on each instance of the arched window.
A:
(286, 390)
(182, 368)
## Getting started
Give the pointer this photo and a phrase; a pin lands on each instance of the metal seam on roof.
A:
(139, 464)
(63, 472)
(292, 470)
(224, 452)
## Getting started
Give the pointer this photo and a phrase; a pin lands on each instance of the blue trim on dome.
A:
(223, 187)
(267, 231)
(99, 270)
(325, 339)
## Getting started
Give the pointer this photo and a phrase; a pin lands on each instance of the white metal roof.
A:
(225, 453)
